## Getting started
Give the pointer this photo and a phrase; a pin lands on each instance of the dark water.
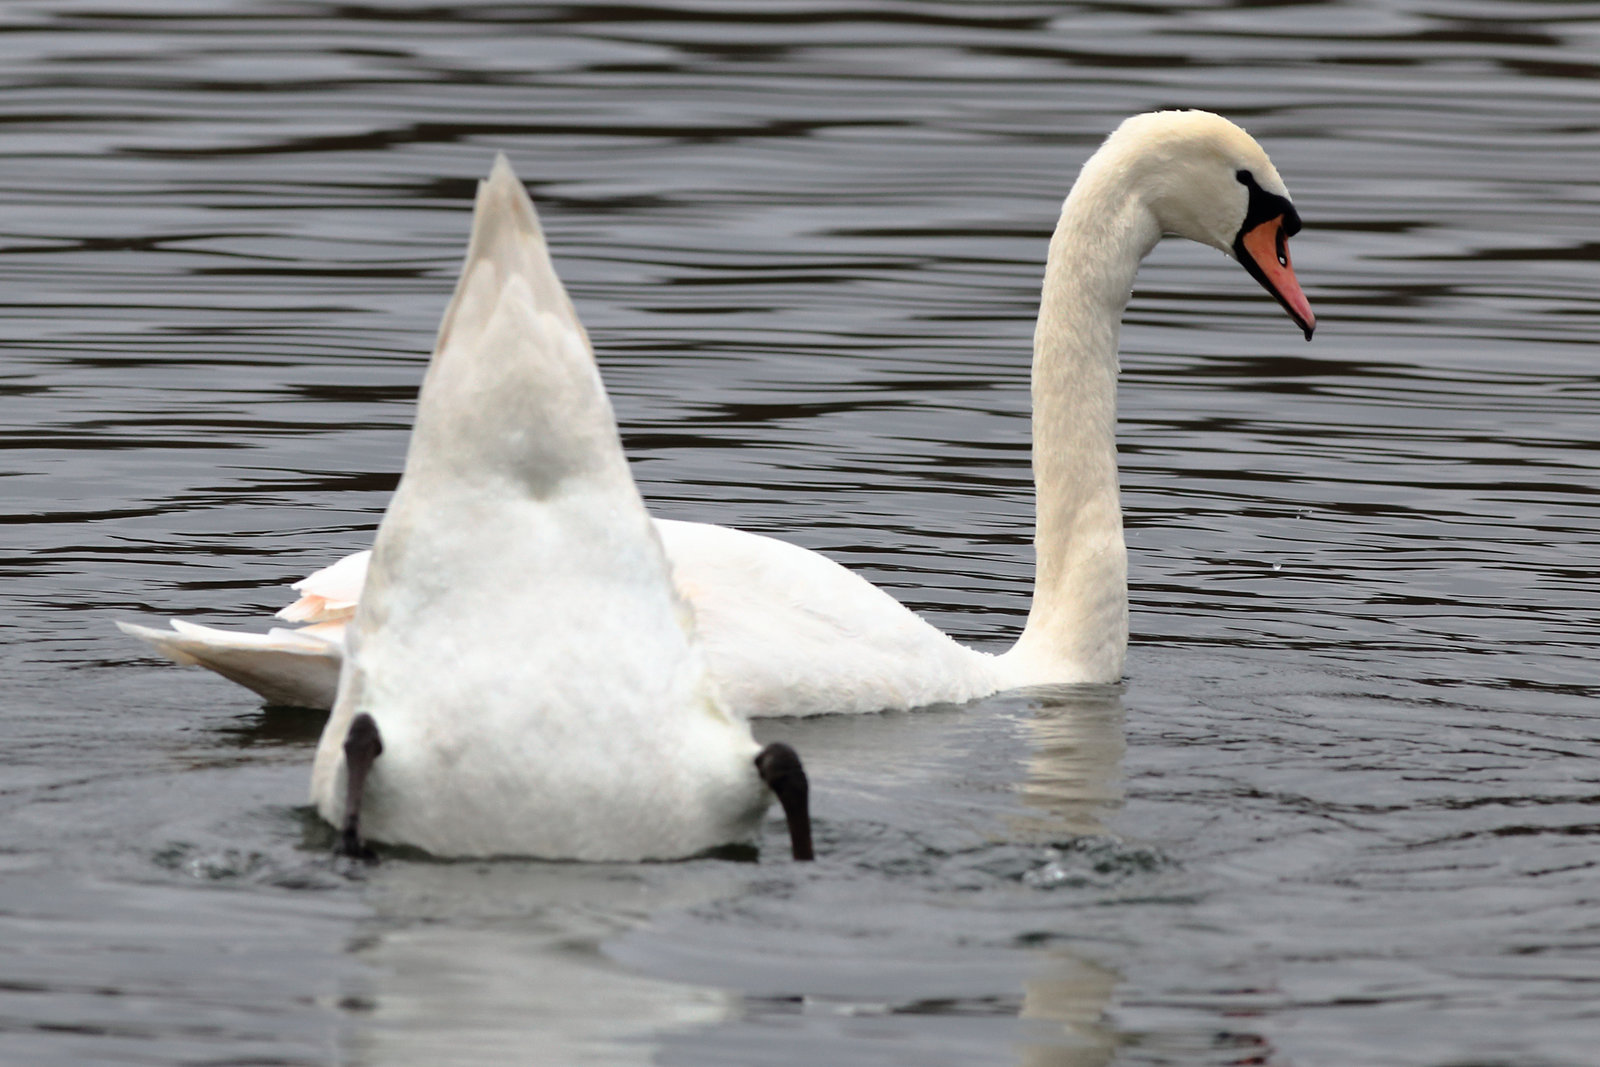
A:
(1346, 810)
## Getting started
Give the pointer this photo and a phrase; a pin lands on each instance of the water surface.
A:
(1344, 808)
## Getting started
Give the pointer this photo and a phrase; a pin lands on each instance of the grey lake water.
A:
(1345, 809)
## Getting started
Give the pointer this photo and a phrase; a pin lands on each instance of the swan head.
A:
(1204, 178)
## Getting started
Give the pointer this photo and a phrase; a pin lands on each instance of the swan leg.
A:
(362, 746)
(779, 766)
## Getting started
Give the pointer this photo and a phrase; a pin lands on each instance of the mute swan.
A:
(472, 720)
(790, 632)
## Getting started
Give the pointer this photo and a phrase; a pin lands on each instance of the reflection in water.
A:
(1072, 994)
(273, 726)
(452, 994)
(499, 963)
(1074, 765)
(1074, 780)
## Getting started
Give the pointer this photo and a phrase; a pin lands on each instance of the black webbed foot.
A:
(362, 746)
(779, 766)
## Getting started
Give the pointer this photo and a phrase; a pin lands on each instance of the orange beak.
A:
(1264, 252)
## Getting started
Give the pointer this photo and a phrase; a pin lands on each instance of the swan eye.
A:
(1245, 178)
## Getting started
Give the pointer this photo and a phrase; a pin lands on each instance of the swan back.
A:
(537, 681)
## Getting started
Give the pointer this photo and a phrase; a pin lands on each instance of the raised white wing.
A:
(537, 682)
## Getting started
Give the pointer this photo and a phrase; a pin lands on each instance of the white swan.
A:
(789, 632)
(472, 720)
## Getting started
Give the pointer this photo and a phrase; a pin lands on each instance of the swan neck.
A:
(1077, 628)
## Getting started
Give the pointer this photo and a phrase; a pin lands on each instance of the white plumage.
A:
(580, 723)
(789, 632)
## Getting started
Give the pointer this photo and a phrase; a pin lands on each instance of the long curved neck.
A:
(1077, 628)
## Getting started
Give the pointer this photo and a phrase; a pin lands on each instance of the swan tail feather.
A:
(294, 668)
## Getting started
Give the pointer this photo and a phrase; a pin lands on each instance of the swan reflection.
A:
(1073, 779)
(497, 963)
(1071, 785)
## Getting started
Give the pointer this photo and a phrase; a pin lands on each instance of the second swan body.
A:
(789, 632)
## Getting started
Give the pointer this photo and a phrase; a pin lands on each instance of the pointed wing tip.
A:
(167, 642)
(503, 204)
(502, 184)
(501, 171)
